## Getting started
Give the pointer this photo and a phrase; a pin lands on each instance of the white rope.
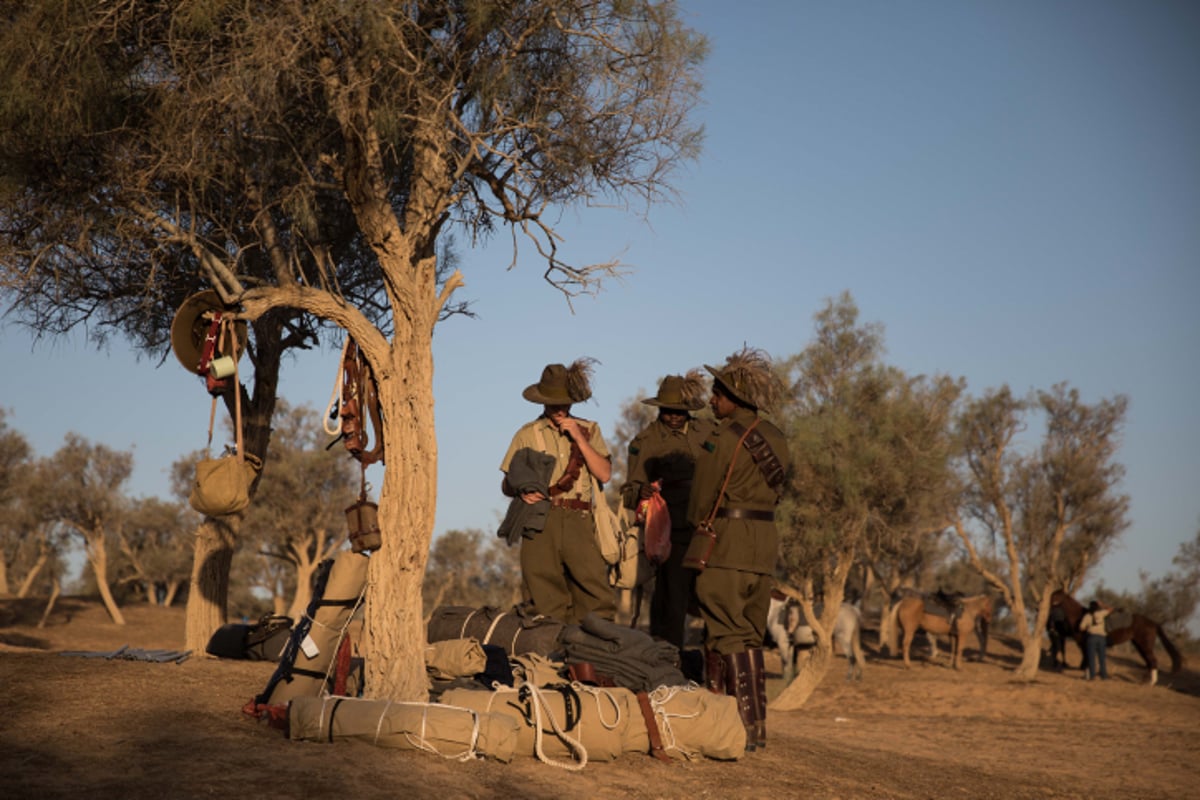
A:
(336, 397)
(659, 698)
(597, 692)
(487, 637)
(379, 723)
(538, 703)
(421, 741)
(462, 632)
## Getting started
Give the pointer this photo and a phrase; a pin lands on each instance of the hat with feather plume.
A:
(680, 392)
(562, 385)
(748, 378)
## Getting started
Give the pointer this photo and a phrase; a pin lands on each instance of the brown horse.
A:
(974, 614)
(1141, 631)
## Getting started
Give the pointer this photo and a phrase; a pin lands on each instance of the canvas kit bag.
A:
(261, 641)
(222, 485)
(617, 536)
(310, 661)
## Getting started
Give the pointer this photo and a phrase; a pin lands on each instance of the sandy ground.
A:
(90, 728)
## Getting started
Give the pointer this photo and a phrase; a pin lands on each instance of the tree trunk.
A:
(34, 571)
(394, 633)
(208, 592)
(1031, 657)
(811, 673)
(97, 556)
(888, 644)
(172, 591)
(55, 590)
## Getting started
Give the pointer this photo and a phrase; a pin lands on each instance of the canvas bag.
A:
(615, 535)
(222, 485)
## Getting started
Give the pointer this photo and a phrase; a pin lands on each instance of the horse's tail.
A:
(1177, 659)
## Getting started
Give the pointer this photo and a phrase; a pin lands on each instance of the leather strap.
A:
(574, 466)
(656, 744)
(756, 514)
(729, 472)
(768, 463)
(573, 503)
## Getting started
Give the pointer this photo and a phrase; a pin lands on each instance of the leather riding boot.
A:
(758, 676)
(739, 685)
(714, 671)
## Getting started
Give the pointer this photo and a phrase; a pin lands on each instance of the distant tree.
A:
(463, 570)
(154, 548)
(87, 482)
(1171, 599)
(261, 147)
(15, 455)
(298, 517)
(1053, 511)
(871, 456)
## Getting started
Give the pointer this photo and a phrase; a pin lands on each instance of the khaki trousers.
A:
(564, 574)
(733, 605)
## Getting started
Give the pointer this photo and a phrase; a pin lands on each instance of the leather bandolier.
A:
(764, 457)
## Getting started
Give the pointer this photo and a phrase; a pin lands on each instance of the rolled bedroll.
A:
(458, 733)
(516, 630)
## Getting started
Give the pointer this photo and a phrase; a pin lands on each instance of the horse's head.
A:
(793, 617)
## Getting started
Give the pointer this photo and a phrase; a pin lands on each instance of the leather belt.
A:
(573, 503)
(747, 513)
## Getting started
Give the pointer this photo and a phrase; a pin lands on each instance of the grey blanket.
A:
(631, 658)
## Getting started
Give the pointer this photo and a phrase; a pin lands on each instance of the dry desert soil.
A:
(75, 727)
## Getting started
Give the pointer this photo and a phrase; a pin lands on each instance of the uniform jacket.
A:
(659, 453)
(541, 435)
(742, 544)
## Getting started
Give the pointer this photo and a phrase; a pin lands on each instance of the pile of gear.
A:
(502, 684)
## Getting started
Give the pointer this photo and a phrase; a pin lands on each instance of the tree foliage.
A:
(871, 452)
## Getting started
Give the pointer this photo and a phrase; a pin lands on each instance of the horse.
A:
(791, 632)
(1141, 631)
(1058, 629)
(973, 613)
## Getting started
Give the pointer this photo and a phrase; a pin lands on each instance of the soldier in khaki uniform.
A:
(734, 590)
(561, 566)
(662, 458)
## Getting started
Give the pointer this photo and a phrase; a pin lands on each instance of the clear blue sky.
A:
(1011, 188)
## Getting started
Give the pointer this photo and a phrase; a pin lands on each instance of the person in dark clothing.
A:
(662, 460)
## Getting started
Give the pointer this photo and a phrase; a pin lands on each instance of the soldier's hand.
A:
(647, 491)
(570, 426)
(532, 497)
